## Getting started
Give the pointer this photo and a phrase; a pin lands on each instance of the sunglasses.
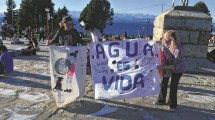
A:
(69, 23)
(169, 40)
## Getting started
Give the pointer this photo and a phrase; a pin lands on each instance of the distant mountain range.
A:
(122, 17)
(118, 17)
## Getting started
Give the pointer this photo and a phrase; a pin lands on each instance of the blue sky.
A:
(123, 6)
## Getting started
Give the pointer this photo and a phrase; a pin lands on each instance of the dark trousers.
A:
(42, 36)
(173, 90)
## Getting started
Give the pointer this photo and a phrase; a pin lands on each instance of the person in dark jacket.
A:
(66, 35)
(173, 66)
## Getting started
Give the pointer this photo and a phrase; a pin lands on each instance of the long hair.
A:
(171, 35)
(3, 48)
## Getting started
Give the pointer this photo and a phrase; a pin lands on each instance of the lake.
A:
(131, 28)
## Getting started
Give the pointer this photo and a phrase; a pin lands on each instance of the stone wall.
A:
(193, 28)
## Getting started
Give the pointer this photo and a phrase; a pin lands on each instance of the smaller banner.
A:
(68, 73)
(125, 69)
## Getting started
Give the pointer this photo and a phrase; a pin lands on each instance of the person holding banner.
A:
(173, 66)
(96, 37)
(66, 35)
(67, 64)
(95, 33)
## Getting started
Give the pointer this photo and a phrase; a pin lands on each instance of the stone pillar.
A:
(193, 29)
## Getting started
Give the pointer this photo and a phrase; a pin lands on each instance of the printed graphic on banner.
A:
(68, 73)
(125, 69)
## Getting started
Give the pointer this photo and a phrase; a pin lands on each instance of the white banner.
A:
(68, 73)
(125, 69)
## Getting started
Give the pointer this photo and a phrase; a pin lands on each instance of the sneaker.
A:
(158, 103)
(172, 109)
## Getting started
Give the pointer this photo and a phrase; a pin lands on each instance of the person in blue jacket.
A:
(6, 59)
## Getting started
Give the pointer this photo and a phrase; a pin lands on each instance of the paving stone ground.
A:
(26, 94)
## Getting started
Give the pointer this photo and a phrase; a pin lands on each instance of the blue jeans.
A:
(175, 77)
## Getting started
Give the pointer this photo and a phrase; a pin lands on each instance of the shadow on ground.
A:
(21, 82)
(28, 75)
(34, 57)
(128, 111)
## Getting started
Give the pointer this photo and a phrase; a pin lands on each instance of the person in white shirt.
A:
(42, 33)
(95, 33)
(96, 37)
